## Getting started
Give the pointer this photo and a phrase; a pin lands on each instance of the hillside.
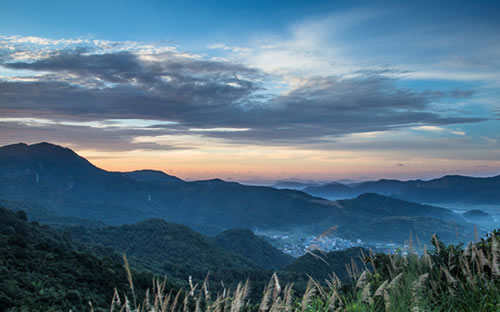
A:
(371, 205)
(447, 189)
(375, 217)
(42, 270)
(165, 248)
(257, 249)
(44, 216)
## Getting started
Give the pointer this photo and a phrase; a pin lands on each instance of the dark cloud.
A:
(125, 67)
(207, 94)
(83, 137)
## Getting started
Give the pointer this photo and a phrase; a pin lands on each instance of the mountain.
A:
(447, 189)
(331, 190)
(164, 248)
(293, 185)
(246, 243)
(41, 269)
(58, 179)
(373, 217)
(371, 205)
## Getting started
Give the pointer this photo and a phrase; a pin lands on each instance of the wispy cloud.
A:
(439, 130)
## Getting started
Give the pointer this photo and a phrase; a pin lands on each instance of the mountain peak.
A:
(149, 175)
(212, 181)
(45, 144)
(45, 147)
(36, 147)
(43, 156)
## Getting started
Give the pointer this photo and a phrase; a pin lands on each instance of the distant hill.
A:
(448, 189)
(371, 205)
(333, 190)
(293, 185)
(375, 217)
(246, 243)
(479, 216)
(42, 270)
(152, 176)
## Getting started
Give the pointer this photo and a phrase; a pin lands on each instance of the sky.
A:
(257, 91)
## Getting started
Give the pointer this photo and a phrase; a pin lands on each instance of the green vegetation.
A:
(164, 248)
(253, 247)
(41, 270)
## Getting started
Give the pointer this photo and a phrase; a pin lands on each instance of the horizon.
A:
(258, 182)
(258, 92)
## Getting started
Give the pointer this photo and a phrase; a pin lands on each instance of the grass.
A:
(446, 278)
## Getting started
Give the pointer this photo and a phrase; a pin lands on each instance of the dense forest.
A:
(42, 270)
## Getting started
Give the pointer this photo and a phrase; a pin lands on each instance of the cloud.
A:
(429, 128)
(77, 87)
(437, 129)
(222, 46)
(214, 95)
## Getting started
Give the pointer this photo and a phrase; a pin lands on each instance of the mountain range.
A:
(59, 183)
(447, 189)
